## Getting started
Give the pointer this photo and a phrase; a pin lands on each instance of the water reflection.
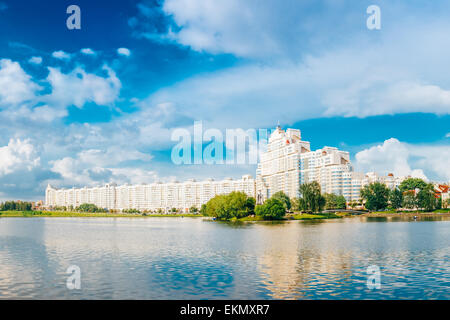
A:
(198, 259)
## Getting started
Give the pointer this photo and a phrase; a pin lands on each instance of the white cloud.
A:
(16, 86)
(61, 55)
(35, 60)
(94, 166)
(124, 52)
(447, 135)
(88, 51)
(405, 159)
(78, 87)
(18, 155)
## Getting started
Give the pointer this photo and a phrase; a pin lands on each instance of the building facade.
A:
(289, 162)
(154, 196)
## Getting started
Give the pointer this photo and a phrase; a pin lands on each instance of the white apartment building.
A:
(152, 196)
(289, 162)
(278, 169)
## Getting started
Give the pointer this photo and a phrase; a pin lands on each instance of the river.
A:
(194, 258)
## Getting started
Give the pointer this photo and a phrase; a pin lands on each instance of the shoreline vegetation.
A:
(289, 217)
(414, 198)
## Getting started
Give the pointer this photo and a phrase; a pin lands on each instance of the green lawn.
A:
(308, 216)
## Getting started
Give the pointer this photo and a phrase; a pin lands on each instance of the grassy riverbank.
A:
(437, 213)
(65, 214)
(296, 216)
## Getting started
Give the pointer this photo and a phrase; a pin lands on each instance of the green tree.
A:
(280, 195)
(193, 209)
(311, 199)
(233, 205)
(89, 207)
(203, 210)
(396, 198)
(376, 196)
(409, 200)
(250, 206)
(412, 184)
(426, 198)
(272, 209)
(333, 201)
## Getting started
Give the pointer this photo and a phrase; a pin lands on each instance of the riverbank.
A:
(64, 214)
(405, 214)
(295, 216)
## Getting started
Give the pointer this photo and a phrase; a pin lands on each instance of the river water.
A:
(194, 258)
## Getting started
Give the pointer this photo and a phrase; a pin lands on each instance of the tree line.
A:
(413, 194)
(16, 206)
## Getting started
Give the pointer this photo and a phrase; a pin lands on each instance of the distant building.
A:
(443, 191)
(152, 196)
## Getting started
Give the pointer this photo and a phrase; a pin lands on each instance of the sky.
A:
(99, 104)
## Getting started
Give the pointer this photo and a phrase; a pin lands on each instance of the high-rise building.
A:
(289, 162)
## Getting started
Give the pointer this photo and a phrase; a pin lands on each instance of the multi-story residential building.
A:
(289, 162)
(279, 166)
(149, 196)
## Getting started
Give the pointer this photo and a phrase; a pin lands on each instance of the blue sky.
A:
(76, 110)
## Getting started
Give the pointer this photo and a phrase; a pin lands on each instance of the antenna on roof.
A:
(278, 125)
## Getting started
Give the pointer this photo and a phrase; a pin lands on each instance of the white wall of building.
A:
(149, 196)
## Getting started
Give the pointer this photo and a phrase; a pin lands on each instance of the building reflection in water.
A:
(293, 264)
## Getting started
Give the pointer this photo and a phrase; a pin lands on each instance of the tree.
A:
(396, 198)
(16, 206)
(412, 184)
(233, 205)
(311, 199)
(193, 209)
(426, 199)
(333, 201)
(89, 207)
(295, 205)
(409, 200)
(376, 196)
(272, 209)
(250, 205)
(203, 210)
(280, 195)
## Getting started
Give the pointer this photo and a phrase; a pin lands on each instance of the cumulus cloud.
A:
(61, 55)
(79, 87)
(88, 51)
(255, 29)
(17, 155)
(94, 166)
(35, 60)
(16, 86)
(403, 159)
(124, 52)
